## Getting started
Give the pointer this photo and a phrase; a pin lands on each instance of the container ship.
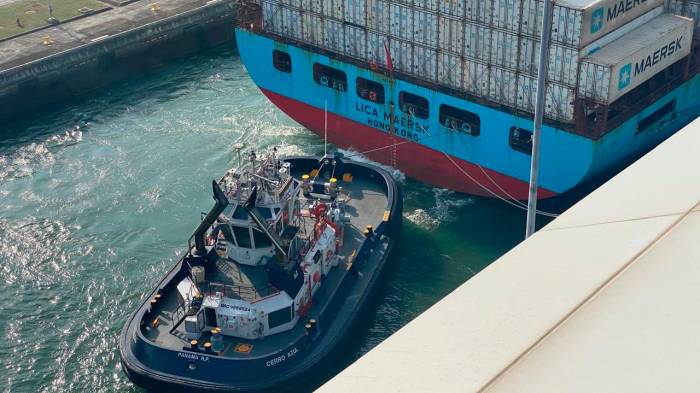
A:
(444, 90)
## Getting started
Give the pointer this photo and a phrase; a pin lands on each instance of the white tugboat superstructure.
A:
(274, 276)
(268, 227)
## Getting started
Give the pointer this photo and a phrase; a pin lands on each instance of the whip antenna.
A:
(325, 127)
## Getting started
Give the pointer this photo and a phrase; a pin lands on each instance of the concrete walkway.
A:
(24, 49)
(603, 299)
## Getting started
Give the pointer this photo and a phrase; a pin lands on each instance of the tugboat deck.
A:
(240, 281)
(366, 206)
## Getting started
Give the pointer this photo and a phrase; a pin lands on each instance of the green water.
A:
(90, 221)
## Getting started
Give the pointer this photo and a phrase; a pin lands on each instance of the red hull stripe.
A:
(414, 159)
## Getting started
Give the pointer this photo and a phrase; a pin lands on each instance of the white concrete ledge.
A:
(603, 299)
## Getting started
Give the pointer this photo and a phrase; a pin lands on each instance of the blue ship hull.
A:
(486, 164)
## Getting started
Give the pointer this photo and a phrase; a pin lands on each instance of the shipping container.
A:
(272, 17)
(504, 49)
(315, 6)
(563, 64)
(376, 48)
(620, 31)
(531, 19)
(451, 7)
(355, 12)
(476, 78)
(689, 8)
(478, 11)
(506, 14)
(450, 70)
(624, 64)
(559, 99)
(291, 3)
(425, 62)
(312, 29)
(379, 15)
(580, 22)
(477, 41)
(356, 42)
(559, 102)
(291, 23)
(529, 55)
(526, 93)
(451, 34)
(401, 22)
(502, 86)
(425, 28)
(430, 5)
(567, 25)
(563, 60)
(333, 35)
(401, 54)
(334, 9)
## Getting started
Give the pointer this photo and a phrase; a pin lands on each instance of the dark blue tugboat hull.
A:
(157, 368)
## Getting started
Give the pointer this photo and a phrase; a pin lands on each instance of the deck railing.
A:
(244, 292)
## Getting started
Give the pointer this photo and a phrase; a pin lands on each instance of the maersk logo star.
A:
(625, 77)
(597, 20)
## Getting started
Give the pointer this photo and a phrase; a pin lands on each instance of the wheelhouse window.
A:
(227, 210)
(520, 140)
(414, 105)
(228, 234)
(370, 90)
(317, 257)
(242, 236)
(282, 61)
(279, 317)
(265, 212)
(240, 213)
(330, 77)
(460, 120)
(261, 239)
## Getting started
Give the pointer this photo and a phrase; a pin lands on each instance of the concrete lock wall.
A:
(114, 57)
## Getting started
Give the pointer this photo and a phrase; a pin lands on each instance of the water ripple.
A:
(27, 159)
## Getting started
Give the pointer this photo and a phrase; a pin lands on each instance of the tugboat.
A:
(274, 276)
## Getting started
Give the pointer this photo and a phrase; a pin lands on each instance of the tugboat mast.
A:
(539, 112)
